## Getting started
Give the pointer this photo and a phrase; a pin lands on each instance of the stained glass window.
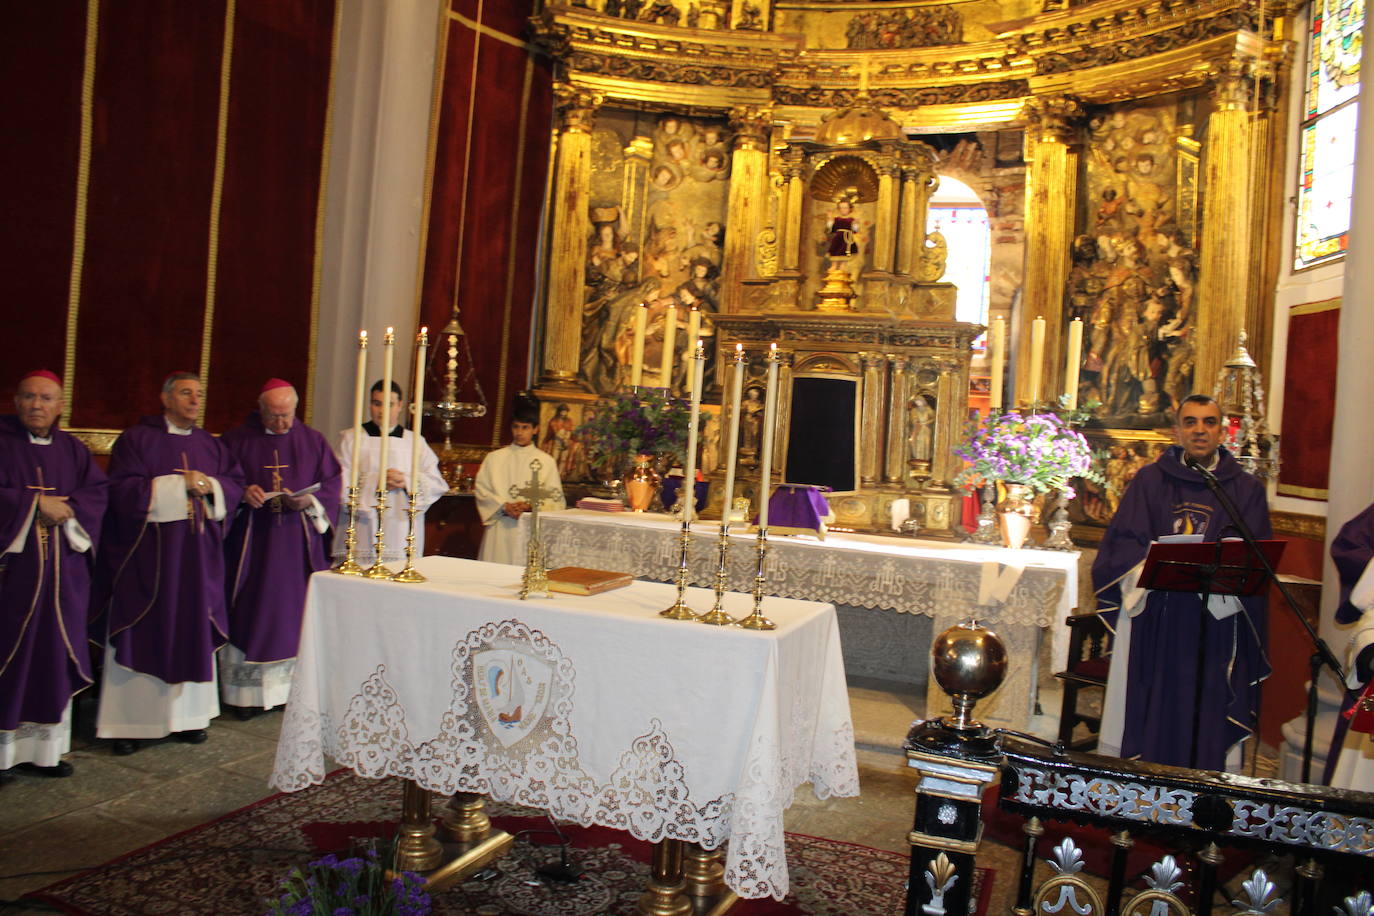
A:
(1327, 150)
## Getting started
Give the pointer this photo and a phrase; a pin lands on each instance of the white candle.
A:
(1037, 359)
(1071, 364)
(665, 370)
(388, 352)
(693, 332)
(999, 363)
(359, 396)
(732, 435)
(770, 421)
(418, 399)
(689, 479)
(637, 354)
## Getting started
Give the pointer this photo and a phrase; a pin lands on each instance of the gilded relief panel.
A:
(656, 227)
(1134, 267)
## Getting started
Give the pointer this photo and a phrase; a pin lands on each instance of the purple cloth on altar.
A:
(1167, 497)
(671, 485)
(272, 551)
(163, 583)
(44, 591)
(1351, 551)
(800, 506)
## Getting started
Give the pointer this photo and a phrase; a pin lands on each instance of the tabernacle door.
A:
(823, 435)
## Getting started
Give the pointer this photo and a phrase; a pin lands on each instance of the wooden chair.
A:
(1090, 646)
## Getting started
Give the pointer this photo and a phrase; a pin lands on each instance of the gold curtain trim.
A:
(1289, 489)
(1312, 308)
(216, 198)
(436, 95)
(83, 184)
(489, 31)
(467, 150)
(317, 268)
(1298, 524)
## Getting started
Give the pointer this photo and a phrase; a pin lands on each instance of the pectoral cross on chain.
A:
(193, 508)
(276, 470)
(42, 530)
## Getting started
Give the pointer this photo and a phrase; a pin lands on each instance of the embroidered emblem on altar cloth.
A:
(512, 691)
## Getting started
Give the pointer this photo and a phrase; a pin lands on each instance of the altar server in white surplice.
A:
(506, 517)
(432, 483)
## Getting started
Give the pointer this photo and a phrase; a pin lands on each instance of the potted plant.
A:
(637, 427)
(1027, 454)
(363, 884)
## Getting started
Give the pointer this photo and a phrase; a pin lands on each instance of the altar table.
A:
(1018, 593)
(593, 708)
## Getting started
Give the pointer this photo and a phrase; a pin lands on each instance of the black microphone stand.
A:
(1323, 656)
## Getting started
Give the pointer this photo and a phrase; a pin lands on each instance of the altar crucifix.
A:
(535, 581)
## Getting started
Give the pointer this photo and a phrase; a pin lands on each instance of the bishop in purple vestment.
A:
(173, 487)
(1160, 674)
(1350, 764)
(52, 497)
(275, 544)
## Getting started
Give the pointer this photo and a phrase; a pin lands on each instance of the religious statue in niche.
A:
(1133, 275)
(656, 236)
(921, 27)
(920, 441)
(842, 230)
(751, 423)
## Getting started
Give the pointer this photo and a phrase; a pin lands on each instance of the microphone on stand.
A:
(1200, 468)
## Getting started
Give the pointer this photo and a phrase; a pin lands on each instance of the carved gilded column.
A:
(918, 183)
(895, 470)
(794, 210)
(747, 200)
(885, 232)
(1052, 151)
(1269, 212)
(568, 240)
(1224, 250)
(872, 418)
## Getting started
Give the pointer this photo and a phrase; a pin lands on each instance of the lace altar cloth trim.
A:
(507, 729)
(934, 587)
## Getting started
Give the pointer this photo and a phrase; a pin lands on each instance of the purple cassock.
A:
(44, 588)
(164, 581)
(1166, 498)
(273, 550)
(1351, 551)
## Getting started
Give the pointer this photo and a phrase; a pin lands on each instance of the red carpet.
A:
(232, 865)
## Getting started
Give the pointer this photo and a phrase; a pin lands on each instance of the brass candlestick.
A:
(378, 570)
(679, 609)
(348, 566)
(717, 616)
(535, 580)
(756, 620)
(409, 573)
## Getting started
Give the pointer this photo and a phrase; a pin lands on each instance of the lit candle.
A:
(359, 395)
(693, 332)
(418, 400)
(689, 480)
(732, 435)
(770, 420)
(999, 362)
(388, 352)
(665, 370)
(637, 358)
(1037, 359)
(1071, 365)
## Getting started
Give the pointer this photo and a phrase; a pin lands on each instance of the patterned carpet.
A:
(232, 865)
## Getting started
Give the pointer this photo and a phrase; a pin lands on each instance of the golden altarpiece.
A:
(771, 164)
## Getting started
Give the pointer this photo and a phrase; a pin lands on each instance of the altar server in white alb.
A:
(432, 484)
(505, 515)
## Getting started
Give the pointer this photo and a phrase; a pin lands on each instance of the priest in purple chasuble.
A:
(275, 543)
(1148, 710)
(1352, 749)
(52, 498)
(173, 489)
(431, 483)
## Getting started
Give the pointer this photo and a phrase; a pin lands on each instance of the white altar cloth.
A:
(1015, 592)
(593, 708)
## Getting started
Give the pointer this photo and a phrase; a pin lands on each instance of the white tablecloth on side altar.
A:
(1016, 592)
(593, 708)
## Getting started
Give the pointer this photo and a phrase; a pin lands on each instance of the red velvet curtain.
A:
(143, 306)
(490, 169)
(1309, 399)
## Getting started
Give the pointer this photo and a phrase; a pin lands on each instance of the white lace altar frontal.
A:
(593, 708)
(1016, 592)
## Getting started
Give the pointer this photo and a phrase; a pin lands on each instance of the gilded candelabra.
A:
(717, 616)
(378, 569)
(348, 566)
(409, 573)
(756, 620)
(679, 609)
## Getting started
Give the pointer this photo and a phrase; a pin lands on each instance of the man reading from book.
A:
(505, 516)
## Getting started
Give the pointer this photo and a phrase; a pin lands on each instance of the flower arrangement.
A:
(1038, 450)
(646, 422)
(361, 885)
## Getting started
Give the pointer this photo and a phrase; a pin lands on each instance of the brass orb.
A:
(968, 659)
